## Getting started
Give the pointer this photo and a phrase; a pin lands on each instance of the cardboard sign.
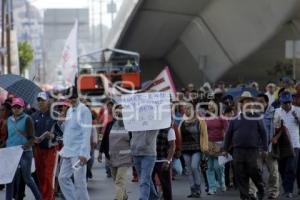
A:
(146, 111)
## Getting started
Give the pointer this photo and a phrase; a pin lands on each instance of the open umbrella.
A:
(20, 87)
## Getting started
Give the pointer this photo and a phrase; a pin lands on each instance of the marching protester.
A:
(76, 150)
(194, 141)
(94, 140)
(5, 113)
(45, 149)
(269, 158)
(116, 147)
(291, 119)
(20, 131)
(105, 116)
(245, 136)
(165, 148)
(271, 88)
(143, 148)
(216, 127)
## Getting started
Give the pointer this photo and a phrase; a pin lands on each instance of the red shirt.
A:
(104, 118)
(216, 128)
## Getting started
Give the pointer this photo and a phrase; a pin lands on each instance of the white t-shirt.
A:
(291, 124)
(171, 135)
(271, 98)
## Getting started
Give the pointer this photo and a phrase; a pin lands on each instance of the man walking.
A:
(45, 153)
(143, 148)
(165, 148)
(291, 118)
(76, 150)
(246, 134)
(268, 158)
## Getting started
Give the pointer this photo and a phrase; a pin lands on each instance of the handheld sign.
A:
(10, 158)
(146, 111)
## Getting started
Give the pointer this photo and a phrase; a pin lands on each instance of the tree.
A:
(26, 55)
(280, 69)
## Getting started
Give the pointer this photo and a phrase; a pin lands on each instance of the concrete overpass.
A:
(207, 40)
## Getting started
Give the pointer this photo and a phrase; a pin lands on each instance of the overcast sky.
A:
(44, 4)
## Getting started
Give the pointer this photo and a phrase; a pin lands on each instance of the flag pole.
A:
(78, 68)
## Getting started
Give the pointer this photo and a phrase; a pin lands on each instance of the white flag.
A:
(68, 62)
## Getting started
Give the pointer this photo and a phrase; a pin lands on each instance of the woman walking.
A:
(194, 142)
(20, 132)
(216, 127)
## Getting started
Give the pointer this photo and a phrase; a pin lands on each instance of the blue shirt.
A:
(14, 137)
(43, 122)
(77, 132)
(246, 133)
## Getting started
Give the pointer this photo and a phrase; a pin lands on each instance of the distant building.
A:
(57, 26)
(28, 26)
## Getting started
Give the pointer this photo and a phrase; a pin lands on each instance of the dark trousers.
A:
(165, 180)
(288, 170)
(246, 166)
(89, 164)
(298, 173)
(19, 186)
(229, 175)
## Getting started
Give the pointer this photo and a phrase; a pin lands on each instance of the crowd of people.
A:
(257, 126)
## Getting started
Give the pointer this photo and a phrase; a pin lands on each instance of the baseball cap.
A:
(286, 97)
(18, 102)
(43, 95)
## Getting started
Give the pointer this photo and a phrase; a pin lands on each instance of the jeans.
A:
(70, 190)
(144, 166)
(215, 172)
(25, 168)
(288, 171)
(192, 162)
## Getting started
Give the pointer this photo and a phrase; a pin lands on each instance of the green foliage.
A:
(280, 69)
(26, 55)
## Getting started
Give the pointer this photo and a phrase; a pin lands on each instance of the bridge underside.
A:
(207, 40)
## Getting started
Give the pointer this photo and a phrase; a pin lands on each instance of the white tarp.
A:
(10, 158)
(146, 111)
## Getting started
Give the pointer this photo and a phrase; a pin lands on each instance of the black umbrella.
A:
(20, 87)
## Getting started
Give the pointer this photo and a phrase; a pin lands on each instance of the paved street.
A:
(101, 187)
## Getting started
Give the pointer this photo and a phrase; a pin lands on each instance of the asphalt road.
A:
(101, 187)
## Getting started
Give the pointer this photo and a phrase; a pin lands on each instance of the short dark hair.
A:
(264, 96)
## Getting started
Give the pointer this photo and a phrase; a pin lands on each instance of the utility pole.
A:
(101, 25)
(3, 4)
(8, 28)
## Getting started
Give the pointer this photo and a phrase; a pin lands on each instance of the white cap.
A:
(43, 95)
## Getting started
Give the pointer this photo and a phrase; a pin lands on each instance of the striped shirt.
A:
(291, 124)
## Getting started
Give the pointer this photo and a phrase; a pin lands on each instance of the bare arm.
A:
(30, 133)
(171, 150)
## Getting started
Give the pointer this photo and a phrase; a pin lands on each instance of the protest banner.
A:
(146, 111)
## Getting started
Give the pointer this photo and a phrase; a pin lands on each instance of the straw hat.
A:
(246, 95)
